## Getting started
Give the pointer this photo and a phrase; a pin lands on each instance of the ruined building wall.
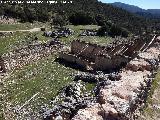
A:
(74, 59)
(97, 51)
(67, 57)
(86, 50)
(124, 47)
(139, 46)
(133, 48)
(102, 63)
(106, 63)
(84, 53)
(76, 47)
(82, 63)
(120, 99)
(150, 43)
(116, 49)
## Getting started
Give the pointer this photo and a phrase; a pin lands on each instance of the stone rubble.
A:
(121, 98)
(29, 53)
(89, 33)
(7, 20)
(61, 32)
(91, 78)
(118, 94)
(70, 99)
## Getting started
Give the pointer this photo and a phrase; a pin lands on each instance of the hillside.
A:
(44, 12)
(130, 8)
(56, 68)
(149, 13)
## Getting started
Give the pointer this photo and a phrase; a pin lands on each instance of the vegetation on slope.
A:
(78, 12)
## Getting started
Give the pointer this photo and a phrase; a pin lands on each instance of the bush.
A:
(103, 31)
(112, 31)
(58, 20)
(101, 20)
(118, 31)
(82, 18)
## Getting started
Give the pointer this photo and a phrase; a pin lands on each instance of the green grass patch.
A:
(6, 42)
(46, 77)
(22, 26)
(149, 111)
(92, 39)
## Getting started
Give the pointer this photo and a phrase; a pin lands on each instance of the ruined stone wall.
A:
(98, 54)
(116, 49)
(67, 57)
(74, 59)
(86, 50)
(120, 60)
(97, 51)
(138, 46)
(107, 63)
(102, 63)
(77, 46)
(120, 99)
(133, 48)
(150, 43)
(82, 63)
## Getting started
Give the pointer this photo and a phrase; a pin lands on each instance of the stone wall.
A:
(121, 99)
(108, 63)
(74, 59)
(103, 57)
(67, 57)
(116, 49)
(86, 50)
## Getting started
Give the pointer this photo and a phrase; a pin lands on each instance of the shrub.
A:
(103, 31)
(82, 18)
(118, 31)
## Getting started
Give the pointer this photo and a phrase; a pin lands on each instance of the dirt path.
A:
(30, 30)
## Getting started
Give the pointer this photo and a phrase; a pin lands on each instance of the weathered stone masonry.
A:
(96, 57)
(120, 99)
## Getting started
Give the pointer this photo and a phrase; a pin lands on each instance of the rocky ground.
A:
(33, 77)
(120, 99)
(116, 95)
(19, 57)
(7, 20)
